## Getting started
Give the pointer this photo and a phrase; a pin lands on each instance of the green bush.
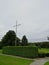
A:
(24, 51)
(43, 55)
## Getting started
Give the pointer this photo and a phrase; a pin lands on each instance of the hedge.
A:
(25, 51)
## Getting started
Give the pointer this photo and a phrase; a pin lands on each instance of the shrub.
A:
(24, 51)
(43, 55)
(47, 54)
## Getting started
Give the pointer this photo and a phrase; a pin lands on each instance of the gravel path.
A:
(40, 61)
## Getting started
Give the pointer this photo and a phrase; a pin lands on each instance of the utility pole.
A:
(16, 35)
(16, 32)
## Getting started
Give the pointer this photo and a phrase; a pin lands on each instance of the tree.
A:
(24, 41)
(0, 45)
(18, 41)
(47, 38)
(9, 39)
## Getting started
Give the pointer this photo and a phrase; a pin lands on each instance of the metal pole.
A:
(16, 34)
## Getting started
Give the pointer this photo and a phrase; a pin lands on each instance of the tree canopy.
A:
(9, 39)
(24, 41)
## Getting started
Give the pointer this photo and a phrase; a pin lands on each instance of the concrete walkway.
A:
(40, 61)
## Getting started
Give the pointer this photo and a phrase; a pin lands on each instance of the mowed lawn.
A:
(9, 60)
(47, 63)
(43, 50)
(0, 51)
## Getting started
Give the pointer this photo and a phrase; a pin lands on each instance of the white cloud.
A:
(32, 14)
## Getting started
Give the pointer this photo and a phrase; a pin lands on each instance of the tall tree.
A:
(9, 39)
(24, 41)
(47, 38)
(18, 41)
(0, 45)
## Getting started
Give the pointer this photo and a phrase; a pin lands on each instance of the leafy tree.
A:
(47, 38)
(9, 39)
(0, 45)
(24, 41)
(18, 41)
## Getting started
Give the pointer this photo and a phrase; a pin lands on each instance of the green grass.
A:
(8, 60)
(0, 51)
(47, 63)
(43, 50)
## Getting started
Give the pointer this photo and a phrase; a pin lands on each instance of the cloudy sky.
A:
(33, 15)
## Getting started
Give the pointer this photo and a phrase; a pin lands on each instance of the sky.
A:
(33, 15)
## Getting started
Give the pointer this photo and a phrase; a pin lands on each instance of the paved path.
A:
(40, 61)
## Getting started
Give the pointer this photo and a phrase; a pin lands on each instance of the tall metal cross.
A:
(16, 32)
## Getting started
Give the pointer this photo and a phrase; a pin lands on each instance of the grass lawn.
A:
(0, 51)
(43, 50)
(8, 60)
(47, 63)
